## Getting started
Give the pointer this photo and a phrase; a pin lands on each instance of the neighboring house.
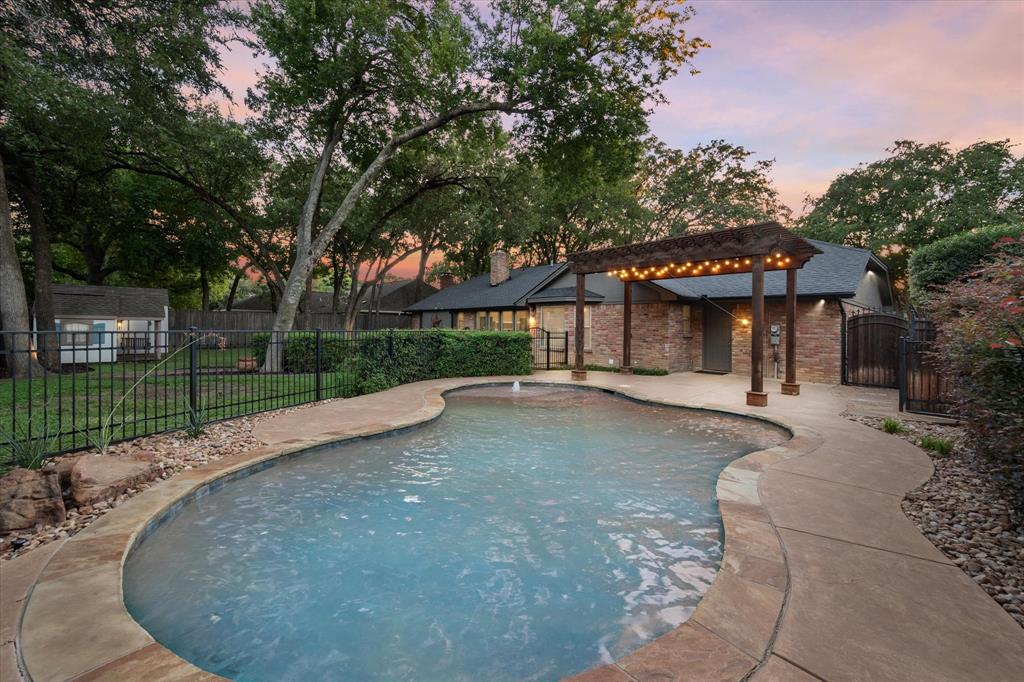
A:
(693, 323)
(99, 323)
(395, 297)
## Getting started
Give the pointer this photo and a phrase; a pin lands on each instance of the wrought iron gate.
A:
(550, 349)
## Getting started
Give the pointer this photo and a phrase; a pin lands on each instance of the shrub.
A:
(979, 348)
(642, 371)
(892, 426)
(937, 445)
(948, 259)
(300, 351)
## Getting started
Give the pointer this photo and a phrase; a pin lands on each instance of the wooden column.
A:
(756, 395)
(578, 373)
(789, 386)
(626, 367)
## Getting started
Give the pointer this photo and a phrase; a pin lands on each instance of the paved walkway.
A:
(823, 576)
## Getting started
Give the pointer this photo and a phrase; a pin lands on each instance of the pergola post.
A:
(756, 395)
(789, 386)
(626, 366)
(578, 372)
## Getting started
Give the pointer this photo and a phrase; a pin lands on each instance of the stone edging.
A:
(74, 623)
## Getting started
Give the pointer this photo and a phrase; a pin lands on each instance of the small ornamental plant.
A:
(892, 426)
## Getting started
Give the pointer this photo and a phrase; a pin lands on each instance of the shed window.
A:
(75, 334)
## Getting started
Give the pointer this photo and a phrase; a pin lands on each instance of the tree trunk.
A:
(14, 315)
(234, 289)
(94, 256)
(420, 273)
(204, 284)
(42, 255)
(337, 280)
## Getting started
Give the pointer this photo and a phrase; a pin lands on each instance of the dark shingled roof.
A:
(81, 300)
(563, 294)
(836, 271)
(477, 293)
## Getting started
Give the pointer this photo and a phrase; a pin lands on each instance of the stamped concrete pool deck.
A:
(823, 577)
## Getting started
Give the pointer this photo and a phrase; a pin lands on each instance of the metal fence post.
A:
(319, 355)
(901, 370)
(565, 348)
(193, 372)
(547, 349)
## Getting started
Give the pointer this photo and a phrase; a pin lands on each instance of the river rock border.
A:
(75, 624)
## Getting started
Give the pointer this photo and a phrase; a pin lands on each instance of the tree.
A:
(950, 258)
(14, 314)
(917, 195)
(357, 81)
(713, 186)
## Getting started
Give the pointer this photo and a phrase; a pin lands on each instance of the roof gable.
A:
(477, 293)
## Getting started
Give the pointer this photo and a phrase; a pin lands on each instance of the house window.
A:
(75, 334)
(507, 320)
(522, 320)
(687, 330)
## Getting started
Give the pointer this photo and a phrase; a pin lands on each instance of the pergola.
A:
(753, 249)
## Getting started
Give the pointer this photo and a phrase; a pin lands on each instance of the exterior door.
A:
(717, 340)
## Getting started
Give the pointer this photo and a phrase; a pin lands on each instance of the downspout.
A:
(842, 344)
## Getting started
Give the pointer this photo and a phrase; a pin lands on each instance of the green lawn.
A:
(81, 401)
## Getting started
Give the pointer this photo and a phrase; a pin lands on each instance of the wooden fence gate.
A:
(873, 348)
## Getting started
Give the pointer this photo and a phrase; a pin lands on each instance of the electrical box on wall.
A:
(775, 333)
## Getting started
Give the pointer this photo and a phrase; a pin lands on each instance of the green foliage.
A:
(939, 446)
(396, 357)
(33, 439)
(890, 425)
(385, 359)
(948, 259)
(713, 186)
(198, 418)
(980, 351)
(639, 371)
(917, 195)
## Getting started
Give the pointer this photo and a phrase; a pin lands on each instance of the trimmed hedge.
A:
(638, 371)
(397, 357)
(388, 358)
(948, 259)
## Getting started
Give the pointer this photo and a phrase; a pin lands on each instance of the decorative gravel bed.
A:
(966, 510)
(172, 452)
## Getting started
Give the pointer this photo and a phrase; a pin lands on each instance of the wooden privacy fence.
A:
(249, 320)
(872, 349)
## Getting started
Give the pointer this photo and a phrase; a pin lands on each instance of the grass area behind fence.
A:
(140, 397)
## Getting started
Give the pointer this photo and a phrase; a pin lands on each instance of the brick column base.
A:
(790, 389)
(625, 370)
(579, 375)
(757, 398)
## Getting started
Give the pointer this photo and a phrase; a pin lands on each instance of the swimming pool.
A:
(520, 536)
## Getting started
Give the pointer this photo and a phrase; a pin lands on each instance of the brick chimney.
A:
(499, 267)
(445, 280)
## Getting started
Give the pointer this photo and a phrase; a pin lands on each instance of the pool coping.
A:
(75, 606)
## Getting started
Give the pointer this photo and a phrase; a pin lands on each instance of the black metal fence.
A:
(84, 385)
(550, 349)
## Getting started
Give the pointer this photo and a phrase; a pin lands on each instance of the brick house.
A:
(690, 324)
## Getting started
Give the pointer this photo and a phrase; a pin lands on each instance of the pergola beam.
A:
(756, 395)
(626, 366)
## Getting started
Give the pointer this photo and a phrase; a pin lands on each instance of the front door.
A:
(717, 339)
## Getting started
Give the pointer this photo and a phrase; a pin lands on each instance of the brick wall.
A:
(658, 339)
(818, 352)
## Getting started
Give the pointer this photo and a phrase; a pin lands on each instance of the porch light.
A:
(744, 321)
(120, 325)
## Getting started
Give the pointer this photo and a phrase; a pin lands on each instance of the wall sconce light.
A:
(744, 321)
(120, 325)
(533, 321)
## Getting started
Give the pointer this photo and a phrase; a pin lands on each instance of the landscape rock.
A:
(30, 498)
(99, 477)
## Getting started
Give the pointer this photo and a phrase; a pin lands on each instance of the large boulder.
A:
(30, 498)
(101, 477)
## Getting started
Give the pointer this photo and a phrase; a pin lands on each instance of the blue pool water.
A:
(520, 537)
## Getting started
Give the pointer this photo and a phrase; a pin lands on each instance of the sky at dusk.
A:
(823, 86)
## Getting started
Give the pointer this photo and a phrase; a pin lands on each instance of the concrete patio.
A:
(823, 576)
